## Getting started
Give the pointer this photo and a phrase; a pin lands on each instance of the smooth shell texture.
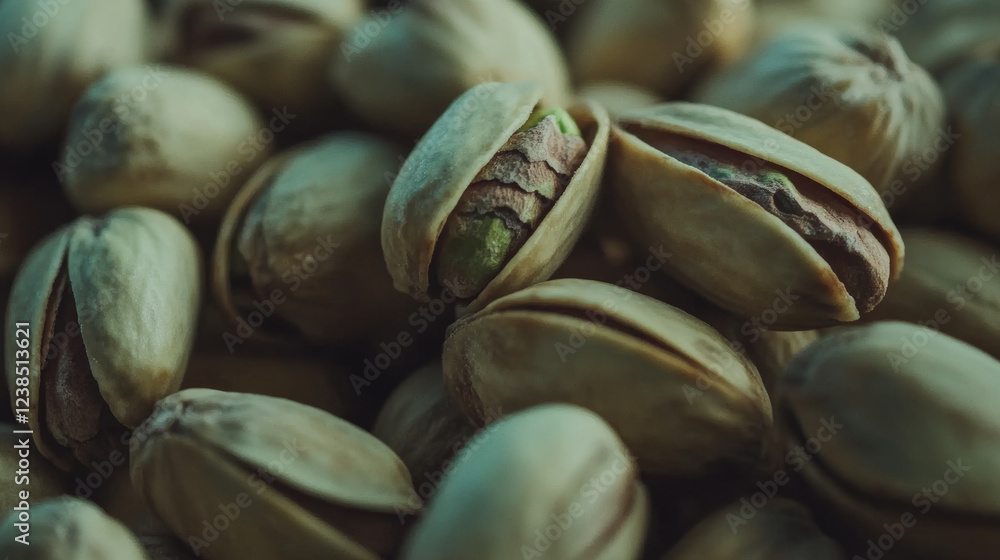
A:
(157, 148)
(952, 281)
(659, 195)
(46, 68)
(539, 464)
(70, 529)
(855, 96)
(130, 260)
(444, 164)
(911, 403)
(638, 359)
(660, 45)
(401, 73)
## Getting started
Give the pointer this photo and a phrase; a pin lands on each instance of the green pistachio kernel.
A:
(475, 249)
(566, 123)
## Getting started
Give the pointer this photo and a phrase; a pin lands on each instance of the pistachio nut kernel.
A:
(111, 303)
(426, 53)
(782, 530)
(951, 283)
(161, 149)
(274, 51)
(909, 433)
(308, 484)
(638, 359)
(494, 196)
(548, 459)
(853, 95)
(48, 65)
(68, 529)
(758, 196)
(507, 200)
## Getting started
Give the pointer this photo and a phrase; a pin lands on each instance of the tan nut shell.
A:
(202, 448)
(136, 274)
(521, 474)
(671, 386)
(43, 480)
(444, 164)
(909, 401)
(401, 70)
(725, 246)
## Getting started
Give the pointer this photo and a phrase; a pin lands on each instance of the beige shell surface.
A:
(332, 459)
(625, 356)
(444, 164)
(906, 403)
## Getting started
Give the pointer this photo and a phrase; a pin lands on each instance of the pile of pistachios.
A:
(500, 279)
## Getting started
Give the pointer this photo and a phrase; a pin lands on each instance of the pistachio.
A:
(482, 207)
(941, 34)
(906, 421)
(951, 283)
(623, 355)
(782, 530)
(424, 426)
(619, 97)
(111, 305)
(402, 71)
(274, 51)
(561, 467)
(56, 50)
(296, 481)
(136, 137)
(306, 227)
(775, 17)
(68, 529)
(28, 472)
(853, 95)
(660, 45)
(722, 192)
(973, 92)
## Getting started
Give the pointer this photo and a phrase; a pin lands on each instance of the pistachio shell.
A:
(619, 97)
(543, 463)
(912, 410)
(401, 70)
(445, 162)
(660, 45)
(692, 215)
(940, 34)
(274, 51)
(320, 484)
(41, 479)
(623, 355)
(307, 226)
(853, 95)
(55, 51)
(135, 137)
(69, 529)
(782, 530)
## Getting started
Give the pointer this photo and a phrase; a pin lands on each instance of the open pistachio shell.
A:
(901, 428)
(447, 160)
(803, 227)
(680, 398)
(297, 482)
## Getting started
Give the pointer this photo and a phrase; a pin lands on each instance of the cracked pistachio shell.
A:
(401, 70)
(274, 51)
(159, 136)
(910, 426)
(42, 480)
(525, 473)
(447, 160)
(132, 291)
(951, 281)
(629, 358)
(731, 250)
(306, 227)
(70, 529)
(853, 95)
(973, 93)
(660, 45)
(782, 530)
(304, 483)
(55, 50)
